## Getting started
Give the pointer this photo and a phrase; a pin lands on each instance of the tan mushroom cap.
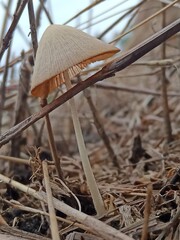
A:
(64, 48)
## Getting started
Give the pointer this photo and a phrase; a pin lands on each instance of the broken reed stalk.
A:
(107, 71)
(99, 228)
(52, 214)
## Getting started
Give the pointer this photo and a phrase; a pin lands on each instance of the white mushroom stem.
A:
(91, 182)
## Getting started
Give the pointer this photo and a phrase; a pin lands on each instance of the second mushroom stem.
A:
(91, 182)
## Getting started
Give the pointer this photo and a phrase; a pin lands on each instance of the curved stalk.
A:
(91, 182)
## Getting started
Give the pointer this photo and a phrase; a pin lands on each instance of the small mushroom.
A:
(62, 53)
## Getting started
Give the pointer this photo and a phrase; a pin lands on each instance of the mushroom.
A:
(62, 53)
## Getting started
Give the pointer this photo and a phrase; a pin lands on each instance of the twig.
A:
(52, 214)
(5, 19)
(118, 87)
(18, 28)
(32, 26)
(101, 229)
(145, 20)
(147, 211)
(3, 87)
(15, 61)
(46, 12)
(167, 121)
(102, 13)
(12, 233)
(84, 10)
(20, 107)
(15, 160)
(8, 37)
(108, 71)
(119, 19)
(100, 129)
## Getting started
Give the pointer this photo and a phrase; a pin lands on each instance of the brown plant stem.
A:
(107, 71)
(100, 128)
(135, 90)
(145, 20)
(33, 27)
(46, 12)
(21, 104)
(52, 144)
(147, 211)
(167, 121)
(5, 20)
(120, 19)
(3, 87)
(8, 37)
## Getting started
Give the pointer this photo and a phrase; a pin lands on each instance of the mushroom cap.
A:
(64, 48)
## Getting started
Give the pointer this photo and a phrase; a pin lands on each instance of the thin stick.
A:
(5, 20)
(147, 211)
(120, 19)
(3, 87)
(15, 160)
(46, 12)
(167, 121)
(118, 87)
(144, 21)
(52, 144)
(33, 26)
(84, 10)
(52, 214)
(8, 37)
(107, 71)
(18, 28)
(100, 129)
(91, 182)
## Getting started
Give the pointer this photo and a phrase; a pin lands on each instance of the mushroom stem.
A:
(52, 142)
(91, 182)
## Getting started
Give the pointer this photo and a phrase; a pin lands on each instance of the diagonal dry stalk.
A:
(107, 71)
